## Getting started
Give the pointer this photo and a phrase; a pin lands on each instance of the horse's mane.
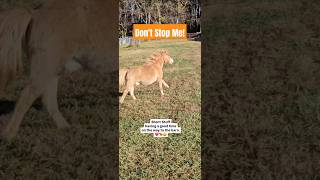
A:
(156, 57)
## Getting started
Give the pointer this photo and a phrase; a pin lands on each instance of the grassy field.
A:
(178, 156)
(86, 150)
(261, 89)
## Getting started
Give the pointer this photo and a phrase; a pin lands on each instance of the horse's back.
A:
(75, 27)
(57, 22)
(76, 22)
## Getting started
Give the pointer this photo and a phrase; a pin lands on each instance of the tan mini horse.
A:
(146, 74)
(57, 36)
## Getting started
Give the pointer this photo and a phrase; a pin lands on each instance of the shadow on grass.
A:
(7, 106)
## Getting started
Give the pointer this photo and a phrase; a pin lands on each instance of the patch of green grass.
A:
(178, 156)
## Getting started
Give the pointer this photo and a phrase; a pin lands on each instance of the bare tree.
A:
(158, 11)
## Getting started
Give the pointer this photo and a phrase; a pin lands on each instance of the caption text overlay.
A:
(159, 31)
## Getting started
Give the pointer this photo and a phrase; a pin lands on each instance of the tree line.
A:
(158, 12)
(140, 11)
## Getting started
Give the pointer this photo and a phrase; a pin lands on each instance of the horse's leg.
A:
(124, 95)
(130, 87)
(132, 92)
(28, 96)
(50, 101)
(160, 86)
(42, 70)
(165, 84)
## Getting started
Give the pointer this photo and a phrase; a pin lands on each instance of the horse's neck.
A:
(159, 63)
(155, 63)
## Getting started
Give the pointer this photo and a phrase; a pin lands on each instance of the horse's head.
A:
(166, 58)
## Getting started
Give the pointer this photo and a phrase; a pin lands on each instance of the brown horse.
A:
(61, 35)
(146, 74)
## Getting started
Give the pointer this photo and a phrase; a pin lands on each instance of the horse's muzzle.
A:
(171, 61)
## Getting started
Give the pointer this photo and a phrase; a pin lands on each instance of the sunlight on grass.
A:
(177, 157)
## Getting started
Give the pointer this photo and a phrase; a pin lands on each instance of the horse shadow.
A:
(7, 106)
(120, 94)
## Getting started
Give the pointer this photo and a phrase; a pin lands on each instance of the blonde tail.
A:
(122, 76)
(13, 27)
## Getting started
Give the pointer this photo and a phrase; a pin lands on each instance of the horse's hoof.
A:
(60, 121)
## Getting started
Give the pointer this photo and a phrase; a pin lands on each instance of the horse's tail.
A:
(122, 76)
(13, 28)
